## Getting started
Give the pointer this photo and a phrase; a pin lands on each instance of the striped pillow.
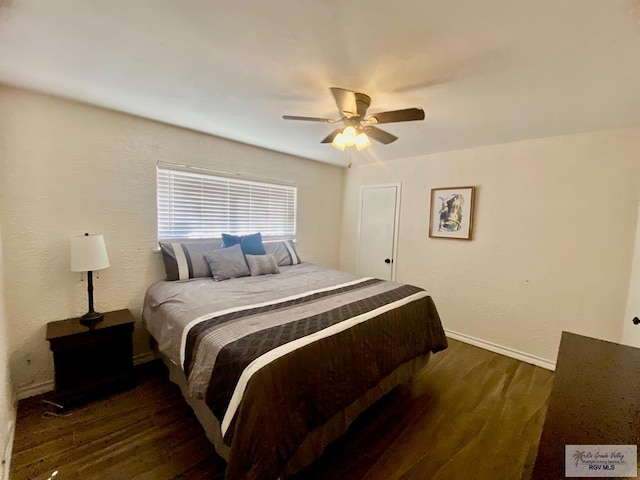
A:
(184, 260)
(283, 251)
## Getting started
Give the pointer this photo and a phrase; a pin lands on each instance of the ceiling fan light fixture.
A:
(362, 141)
(338, 142)
(353, 107)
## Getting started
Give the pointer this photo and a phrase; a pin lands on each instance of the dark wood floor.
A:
(471, 414)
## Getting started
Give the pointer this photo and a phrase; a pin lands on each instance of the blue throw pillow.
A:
(229, 240)
(250, 244)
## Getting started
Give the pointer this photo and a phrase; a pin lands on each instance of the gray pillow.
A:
(262, 264)
(227, 263)
(284, 252)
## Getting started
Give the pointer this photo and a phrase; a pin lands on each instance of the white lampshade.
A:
(349, 135)
(338, 142)
(362, 141)
(88, 253)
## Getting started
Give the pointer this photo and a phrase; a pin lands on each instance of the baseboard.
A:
(144, 358)
(506, 351)
(6, 459)
(34, 389)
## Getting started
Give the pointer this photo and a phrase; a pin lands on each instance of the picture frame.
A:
(451, 213)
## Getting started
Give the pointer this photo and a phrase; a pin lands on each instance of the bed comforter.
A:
(276, 356)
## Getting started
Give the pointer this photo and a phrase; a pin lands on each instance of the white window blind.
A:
(192, 204)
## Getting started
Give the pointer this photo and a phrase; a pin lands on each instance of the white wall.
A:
(553, 236)
(70, 168)
(7, 409)
(631, 332)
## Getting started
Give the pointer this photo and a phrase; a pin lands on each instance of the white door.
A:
(631, 331)
(377, 234)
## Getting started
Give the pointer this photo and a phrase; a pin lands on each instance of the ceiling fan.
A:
(358, 126)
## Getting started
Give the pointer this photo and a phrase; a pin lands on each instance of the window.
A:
(195, 204)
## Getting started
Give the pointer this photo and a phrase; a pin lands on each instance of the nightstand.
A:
(92, 362)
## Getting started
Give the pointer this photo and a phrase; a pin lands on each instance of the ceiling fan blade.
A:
(346, 101)
(329, 138)
(308, 119)
(380, 135)
(406, 115)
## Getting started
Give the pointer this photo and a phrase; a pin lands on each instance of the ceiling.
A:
(485, 72)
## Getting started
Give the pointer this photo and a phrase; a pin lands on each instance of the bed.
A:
(278, 365)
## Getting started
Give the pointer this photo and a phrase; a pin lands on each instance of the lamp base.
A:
(91, 318)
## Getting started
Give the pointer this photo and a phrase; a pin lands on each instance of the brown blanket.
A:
(300, 390)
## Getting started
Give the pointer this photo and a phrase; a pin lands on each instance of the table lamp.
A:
(89, 253)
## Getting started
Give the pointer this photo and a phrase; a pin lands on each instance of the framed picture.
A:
(451, 213)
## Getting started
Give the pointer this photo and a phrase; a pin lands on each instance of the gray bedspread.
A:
(308, 341)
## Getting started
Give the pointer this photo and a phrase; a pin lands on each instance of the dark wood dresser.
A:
(92, 362)
(595, 401)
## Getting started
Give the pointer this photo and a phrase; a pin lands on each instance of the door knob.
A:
(636, 320)
(388, 260)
